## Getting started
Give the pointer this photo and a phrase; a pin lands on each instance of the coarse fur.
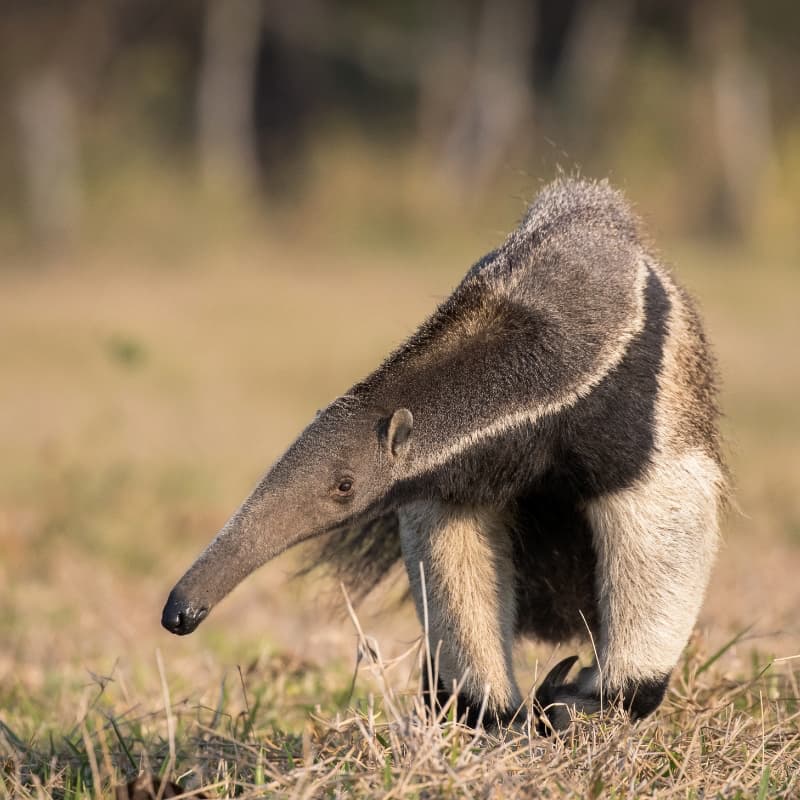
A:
(543, 450)
(464, 555)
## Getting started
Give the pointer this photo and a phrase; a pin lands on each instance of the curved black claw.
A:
(555, 679)
(553, 695)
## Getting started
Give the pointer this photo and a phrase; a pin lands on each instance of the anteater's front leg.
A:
(465, 553)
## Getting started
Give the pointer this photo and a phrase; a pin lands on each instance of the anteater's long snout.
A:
(180, 616)
(252, 536)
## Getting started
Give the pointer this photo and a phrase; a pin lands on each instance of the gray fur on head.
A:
(544, 447)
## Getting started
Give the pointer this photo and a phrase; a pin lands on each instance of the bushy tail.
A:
(360, 556)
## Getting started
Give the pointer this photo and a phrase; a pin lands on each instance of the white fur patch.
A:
(655, 544)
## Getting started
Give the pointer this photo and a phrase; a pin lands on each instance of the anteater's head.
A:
(340, 469)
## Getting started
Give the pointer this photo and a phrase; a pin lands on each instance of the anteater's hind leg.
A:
(470, 595)
(655, 543)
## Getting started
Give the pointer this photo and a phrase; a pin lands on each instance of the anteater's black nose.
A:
(180, 616)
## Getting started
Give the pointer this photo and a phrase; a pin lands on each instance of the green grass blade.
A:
(763, 786)
(724, 649)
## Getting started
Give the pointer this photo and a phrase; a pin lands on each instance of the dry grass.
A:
(140, 399)
(712, 738)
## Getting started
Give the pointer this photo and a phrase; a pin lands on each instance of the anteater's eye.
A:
(345, 486)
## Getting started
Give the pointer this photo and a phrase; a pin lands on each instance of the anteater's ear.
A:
(398, 430)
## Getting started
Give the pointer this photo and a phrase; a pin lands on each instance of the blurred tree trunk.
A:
(740, 115)
(226, 94)
(498, 99)
(49, 155)
(593, 52)
(443, 75)
(52, 56)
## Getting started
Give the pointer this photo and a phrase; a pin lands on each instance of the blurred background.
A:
(216, 216)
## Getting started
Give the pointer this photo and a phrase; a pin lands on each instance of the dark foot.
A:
(643, 697)
(469, 709)
(558, 700)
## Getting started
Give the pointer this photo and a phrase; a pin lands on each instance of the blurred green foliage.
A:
(126, 351)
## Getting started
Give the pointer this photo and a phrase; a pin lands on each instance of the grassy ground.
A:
(143, 391)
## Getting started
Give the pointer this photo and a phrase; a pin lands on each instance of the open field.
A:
(140, 401)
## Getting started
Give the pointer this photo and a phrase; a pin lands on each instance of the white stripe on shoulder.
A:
(610, 357)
